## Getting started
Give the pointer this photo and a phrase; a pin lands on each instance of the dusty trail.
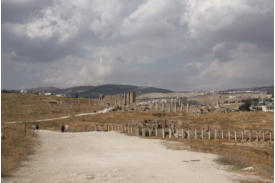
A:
(112, 157)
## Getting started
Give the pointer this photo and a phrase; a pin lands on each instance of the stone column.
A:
(156, 131)
(163, 133)
(157, 107)
(182, 133)
(137, 131)
(202, 134)
(215, 134)
(229, 135)
(143, 132)
(222, 133)
(195, 133)
(235, 135)
(170, 133)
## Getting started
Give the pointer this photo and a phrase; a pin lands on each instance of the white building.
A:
(267, 108)
(23, 91)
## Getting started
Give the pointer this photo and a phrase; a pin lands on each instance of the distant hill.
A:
(94, 91)
(267, 89)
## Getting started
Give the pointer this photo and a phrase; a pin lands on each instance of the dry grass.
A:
(239, 120)
(15, 147)
(27, 107)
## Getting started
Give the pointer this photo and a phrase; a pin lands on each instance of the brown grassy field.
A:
(249, 154)
(27, 107)
(16, 146)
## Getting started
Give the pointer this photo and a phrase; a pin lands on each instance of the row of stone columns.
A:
(169, 107)
(208, 134)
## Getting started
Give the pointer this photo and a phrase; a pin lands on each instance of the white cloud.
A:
(205, 18)
(246, 64)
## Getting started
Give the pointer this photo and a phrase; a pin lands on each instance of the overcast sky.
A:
(173, 44)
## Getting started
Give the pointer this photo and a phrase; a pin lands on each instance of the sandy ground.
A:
(112, 157)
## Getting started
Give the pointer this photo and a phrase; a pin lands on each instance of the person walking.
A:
(62, 128)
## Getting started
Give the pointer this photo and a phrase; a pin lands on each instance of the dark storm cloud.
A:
(22, 11)
(28, 50)
(180, 45)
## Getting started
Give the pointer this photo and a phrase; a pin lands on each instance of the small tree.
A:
(245, 106)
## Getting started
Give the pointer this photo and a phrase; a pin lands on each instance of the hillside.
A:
(94, 91)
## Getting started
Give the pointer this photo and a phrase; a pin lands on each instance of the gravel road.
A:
(112, 157)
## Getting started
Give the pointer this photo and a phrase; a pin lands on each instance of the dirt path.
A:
(112, 157)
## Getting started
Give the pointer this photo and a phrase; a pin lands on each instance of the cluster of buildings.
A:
(265, 105)
(42, 93)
